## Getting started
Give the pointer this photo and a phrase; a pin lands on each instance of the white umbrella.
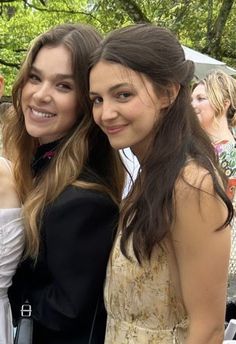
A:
(204, 63)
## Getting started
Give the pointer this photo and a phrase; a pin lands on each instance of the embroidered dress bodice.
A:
(226, 152)
(141, 301)
(11, 248)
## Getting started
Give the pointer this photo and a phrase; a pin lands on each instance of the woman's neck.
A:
(43, 156)
(220, 131)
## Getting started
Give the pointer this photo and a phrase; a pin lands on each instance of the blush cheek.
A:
(96, 120)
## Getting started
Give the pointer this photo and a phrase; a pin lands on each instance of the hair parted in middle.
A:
(84, 148)
(149, 209)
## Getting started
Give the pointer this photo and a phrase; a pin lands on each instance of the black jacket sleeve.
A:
(78, 231)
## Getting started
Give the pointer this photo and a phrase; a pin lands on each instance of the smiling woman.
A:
(70, 181)
(118, 106)
(49, 100)
(166, 279)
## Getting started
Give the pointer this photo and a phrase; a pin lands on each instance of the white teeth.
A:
(42, 114)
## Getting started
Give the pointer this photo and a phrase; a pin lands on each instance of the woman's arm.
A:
(78, 233)
(8, 194)
(202, 256)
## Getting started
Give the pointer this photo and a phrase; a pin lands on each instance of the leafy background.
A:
(207, 26)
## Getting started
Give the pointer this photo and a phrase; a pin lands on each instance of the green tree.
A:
(207, 26)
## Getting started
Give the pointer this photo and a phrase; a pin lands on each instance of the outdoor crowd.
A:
(95, 266)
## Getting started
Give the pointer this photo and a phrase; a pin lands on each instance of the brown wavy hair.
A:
(85, 147)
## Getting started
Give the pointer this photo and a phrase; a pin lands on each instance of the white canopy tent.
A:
(204, 63)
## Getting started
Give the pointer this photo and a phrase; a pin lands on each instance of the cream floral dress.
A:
(141, 302)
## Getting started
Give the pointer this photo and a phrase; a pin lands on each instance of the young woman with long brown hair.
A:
(167, 275)
(70, 183)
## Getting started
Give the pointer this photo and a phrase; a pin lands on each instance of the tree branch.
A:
(9, 64)
(6, 1)
(215, 35)
(133, 10)
(180, 14)
(41, 9)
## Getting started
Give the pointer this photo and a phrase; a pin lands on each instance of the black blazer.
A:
(64, 285)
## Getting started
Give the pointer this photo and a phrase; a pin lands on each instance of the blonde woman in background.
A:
(11, 241)
(214, 101)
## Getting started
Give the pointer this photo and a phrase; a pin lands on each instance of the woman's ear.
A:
(170, 95)
(226, 104)
(1, 85)
(173, 92)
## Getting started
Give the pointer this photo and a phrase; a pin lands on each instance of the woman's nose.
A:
(194, 103)
(108, 111)
(43, 93)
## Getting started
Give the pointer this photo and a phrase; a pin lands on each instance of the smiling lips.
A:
(115, 129)
(42, 114)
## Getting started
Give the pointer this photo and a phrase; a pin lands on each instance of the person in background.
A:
(70, 182)
(166, 279)
(3, 111)
(3, 107)
(214, 101)
(1, 85)
(11, 241)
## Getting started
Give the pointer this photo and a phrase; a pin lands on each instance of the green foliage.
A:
(21, 23)
(193, 21)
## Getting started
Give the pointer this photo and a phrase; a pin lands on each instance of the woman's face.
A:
(125, 105)
(202, 107)
(49, 98)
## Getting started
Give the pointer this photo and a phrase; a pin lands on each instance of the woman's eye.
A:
(96, 101)
(34, 77)
(201, 98)
(124, 95)
(64, 87)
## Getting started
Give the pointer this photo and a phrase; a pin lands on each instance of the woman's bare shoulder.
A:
(195, 177)
(197, 202)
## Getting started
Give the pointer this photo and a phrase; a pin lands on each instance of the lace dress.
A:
(141, 302)
(11, 247)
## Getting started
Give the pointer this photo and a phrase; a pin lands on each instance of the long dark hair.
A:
(148, 211)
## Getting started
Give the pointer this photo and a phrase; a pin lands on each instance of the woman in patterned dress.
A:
(214, 101)
(166, 279)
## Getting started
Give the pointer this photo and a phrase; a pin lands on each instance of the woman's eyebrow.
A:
(112, 88)
(57, 76)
